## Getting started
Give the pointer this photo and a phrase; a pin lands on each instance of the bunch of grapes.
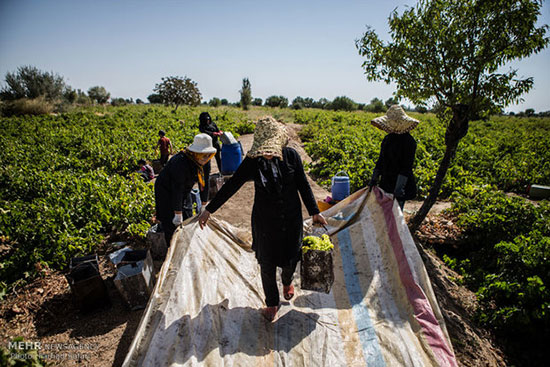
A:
(317, 243)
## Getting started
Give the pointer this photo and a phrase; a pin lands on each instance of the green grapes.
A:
(317, 243)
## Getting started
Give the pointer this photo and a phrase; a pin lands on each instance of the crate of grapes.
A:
(316, 271)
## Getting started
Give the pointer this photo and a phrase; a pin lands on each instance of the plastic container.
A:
(228, 138)
(539, 192)
(340, 186)
(231, 158)
(87, 286)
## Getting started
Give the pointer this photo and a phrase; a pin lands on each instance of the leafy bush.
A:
(506, 260)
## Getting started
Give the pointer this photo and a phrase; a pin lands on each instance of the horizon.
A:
(304, 49)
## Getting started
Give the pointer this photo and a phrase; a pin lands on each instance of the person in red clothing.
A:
(165, 146)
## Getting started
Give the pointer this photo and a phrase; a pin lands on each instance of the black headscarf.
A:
(270, 175)
(204, 118)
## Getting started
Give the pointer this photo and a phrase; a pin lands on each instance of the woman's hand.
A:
(203, 218)
(318, 218)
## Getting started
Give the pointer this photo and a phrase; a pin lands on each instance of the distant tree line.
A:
(32, 91)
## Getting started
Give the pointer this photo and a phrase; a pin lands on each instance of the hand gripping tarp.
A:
(381, 310)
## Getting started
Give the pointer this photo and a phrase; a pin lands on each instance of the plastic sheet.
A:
(381, 310)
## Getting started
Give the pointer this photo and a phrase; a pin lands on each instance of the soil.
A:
(43, 311)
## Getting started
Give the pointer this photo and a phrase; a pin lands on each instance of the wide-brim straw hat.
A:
(270, 136)
(395, 121)
(202, 143)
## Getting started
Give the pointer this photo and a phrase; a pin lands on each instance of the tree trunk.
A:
(457, 129)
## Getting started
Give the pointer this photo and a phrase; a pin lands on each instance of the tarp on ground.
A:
(381, 310)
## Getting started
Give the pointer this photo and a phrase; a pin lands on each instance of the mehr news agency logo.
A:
(51, 351)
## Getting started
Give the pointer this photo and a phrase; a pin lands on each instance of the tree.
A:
(30, 82)
(178, 91)
(321, 103)
(70, 95)
(297, 103)
(82, 98)
(215, 102)
(343, 103)
(99, 94)
(390, 102)
(224, 102)
(276, 101)
(246, 94)
(529, 112)
(452, 52)
(154, 98)
(376, 105)
(257, 102)
(118, 102)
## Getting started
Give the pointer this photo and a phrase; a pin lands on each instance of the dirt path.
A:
(43, 311)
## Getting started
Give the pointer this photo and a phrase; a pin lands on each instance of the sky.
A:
(291, 48)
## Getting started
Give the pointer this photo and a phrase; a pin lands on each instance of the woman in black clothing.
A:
(277, 221)
(207, 126)
(174, 183)
(396, 159)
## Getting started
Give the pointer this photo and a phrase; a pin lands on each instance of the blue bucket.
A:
(340, 186)
(231, 158)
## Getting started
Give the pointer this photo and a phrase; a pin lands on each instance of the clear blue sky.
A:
(289, 48)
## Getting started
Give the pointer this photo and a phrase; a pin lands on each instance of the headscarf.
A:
(194, 157)
(270, 175)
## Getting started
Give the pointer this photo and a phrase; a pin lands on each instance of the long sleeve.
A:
(244, 173)
(303, 187)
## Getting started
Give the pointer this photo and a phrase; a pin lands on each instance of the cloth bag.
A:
(316, 271)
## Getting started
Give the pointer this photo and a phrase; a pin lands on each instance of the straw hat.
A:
(270, 137)
(395, 121)
(202, 143)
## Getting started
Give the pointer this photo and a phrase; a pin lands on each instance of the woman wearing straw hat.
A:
(396, 159)
(175, 181)
(278, 177)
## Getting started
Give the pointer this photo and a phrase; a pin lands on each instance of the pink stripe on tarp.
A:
(421, 306)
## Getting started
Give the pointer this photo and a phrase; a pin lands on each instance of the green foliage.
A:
(470, 41)
(117, 102)
(507, 152)
(31, 83)
(376, 105)
(215, 102)
(343, 103)
(506, 261)
(276, 101)
(154, 98)
(177, 91)
(99, 94)
(246, 94)
(69, 180)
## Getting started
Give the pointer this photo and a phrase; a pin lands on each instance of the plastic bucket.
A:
(231, 158)
(340, 186)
